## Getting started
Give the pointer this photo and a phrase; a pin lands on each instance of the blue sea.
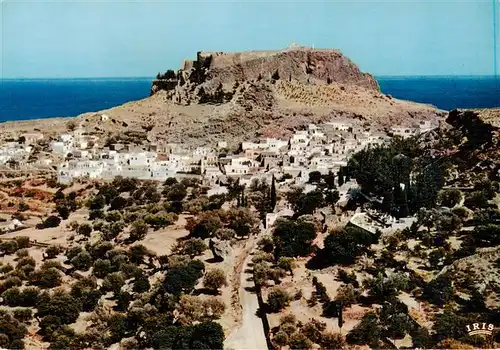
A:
(43, 98)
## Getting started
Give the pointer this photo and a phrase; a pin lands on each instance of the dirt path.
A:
(250, 334)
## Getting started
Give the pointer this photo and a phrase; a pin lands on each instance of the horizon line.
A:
(154, 77)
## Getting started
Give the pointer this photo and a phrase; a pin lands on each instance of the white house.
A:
(403, 131)
(341, 125)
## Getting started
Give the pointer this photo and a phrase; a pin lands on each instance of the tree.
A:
(170, 181)
(141, 284)
(138, 252)
(82, 261)
(47, 278)
(161, 219)
(194, 309)
(340, 175)
(26, 264)
(215, 279)
(305, 203)
(22, 242)
(287, 264)
(60, 303)
(12, 332)
(242, 221)
(438, 291)
(344, 246)
(63, 210)
(12, 296)
(52, 251)
(293, 238)
(23, 315)
(113, 282)
(139, 230)
(207, 335)
(204, 225)
(272, 195)
(277, 299)
(347, 295)
(118, 203)
(449, 325)
(97, 203)
(84, 230)
(421, 338)
(332, 197)
(332, 341)
(29, 296)
(183, 278)
(192, 247)
(123, 300)
(313, 330)
(314, 177)
(368, 331)
(281, 338)
(329, 180)
(225, 234)
(51, 221)
(449, 197)
(176, 192)
(385, 288)
(299, 341)
(101, 268)
(261, 272)
(71, 125)
(86, 292)
(8, 247)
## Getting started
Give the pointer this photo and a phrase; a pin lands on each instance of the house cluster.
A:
(322, 148)
(15, 153)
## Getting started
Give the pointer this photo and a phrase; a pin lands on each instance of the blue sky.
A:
(132, 38)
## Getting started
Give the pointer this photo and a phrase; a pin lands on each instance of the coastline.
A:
(71, 97)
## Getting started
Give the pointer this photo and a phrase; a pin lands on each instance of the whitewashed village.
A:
(323, 148)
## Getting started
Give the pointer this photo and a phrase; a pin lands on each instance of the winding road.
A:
(250, 334)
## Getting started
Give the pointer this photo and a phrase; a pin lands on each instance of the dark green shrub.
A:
(23, 315)
(52, 251)
(278, 299)
(82, 262)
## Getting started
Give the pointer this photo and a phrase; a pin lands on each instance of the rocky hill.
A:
(238, 96)
(216, 76)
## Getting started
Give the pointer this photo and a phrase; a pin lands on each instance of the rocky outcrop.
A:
(220, 248)
(233, 97)
(215, 77)
(480, 130)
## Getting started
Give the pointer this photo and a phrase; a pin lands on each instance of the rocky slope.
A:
(239, 96)
(216, 76)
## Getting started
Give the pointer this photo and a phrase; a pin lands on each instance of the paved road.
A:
(250, 335)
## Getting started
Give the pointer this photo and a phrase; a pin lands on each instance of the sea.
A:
(24, 99)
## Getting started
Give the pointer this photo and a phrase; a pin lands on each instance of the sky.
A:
(57, 39)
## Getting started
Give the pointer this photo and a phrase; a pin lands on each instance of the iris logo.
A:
(480, 328)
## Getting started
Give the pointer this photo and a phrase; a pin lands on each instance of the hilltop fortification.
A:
(248, 95)
(215, 76)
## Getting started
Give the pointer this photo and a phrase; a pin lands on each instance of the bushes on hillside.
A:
(183, 278)
(12, 332)
(51, 221)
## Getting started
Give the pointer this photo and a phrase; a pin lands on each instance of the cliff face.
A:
(216, 76)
